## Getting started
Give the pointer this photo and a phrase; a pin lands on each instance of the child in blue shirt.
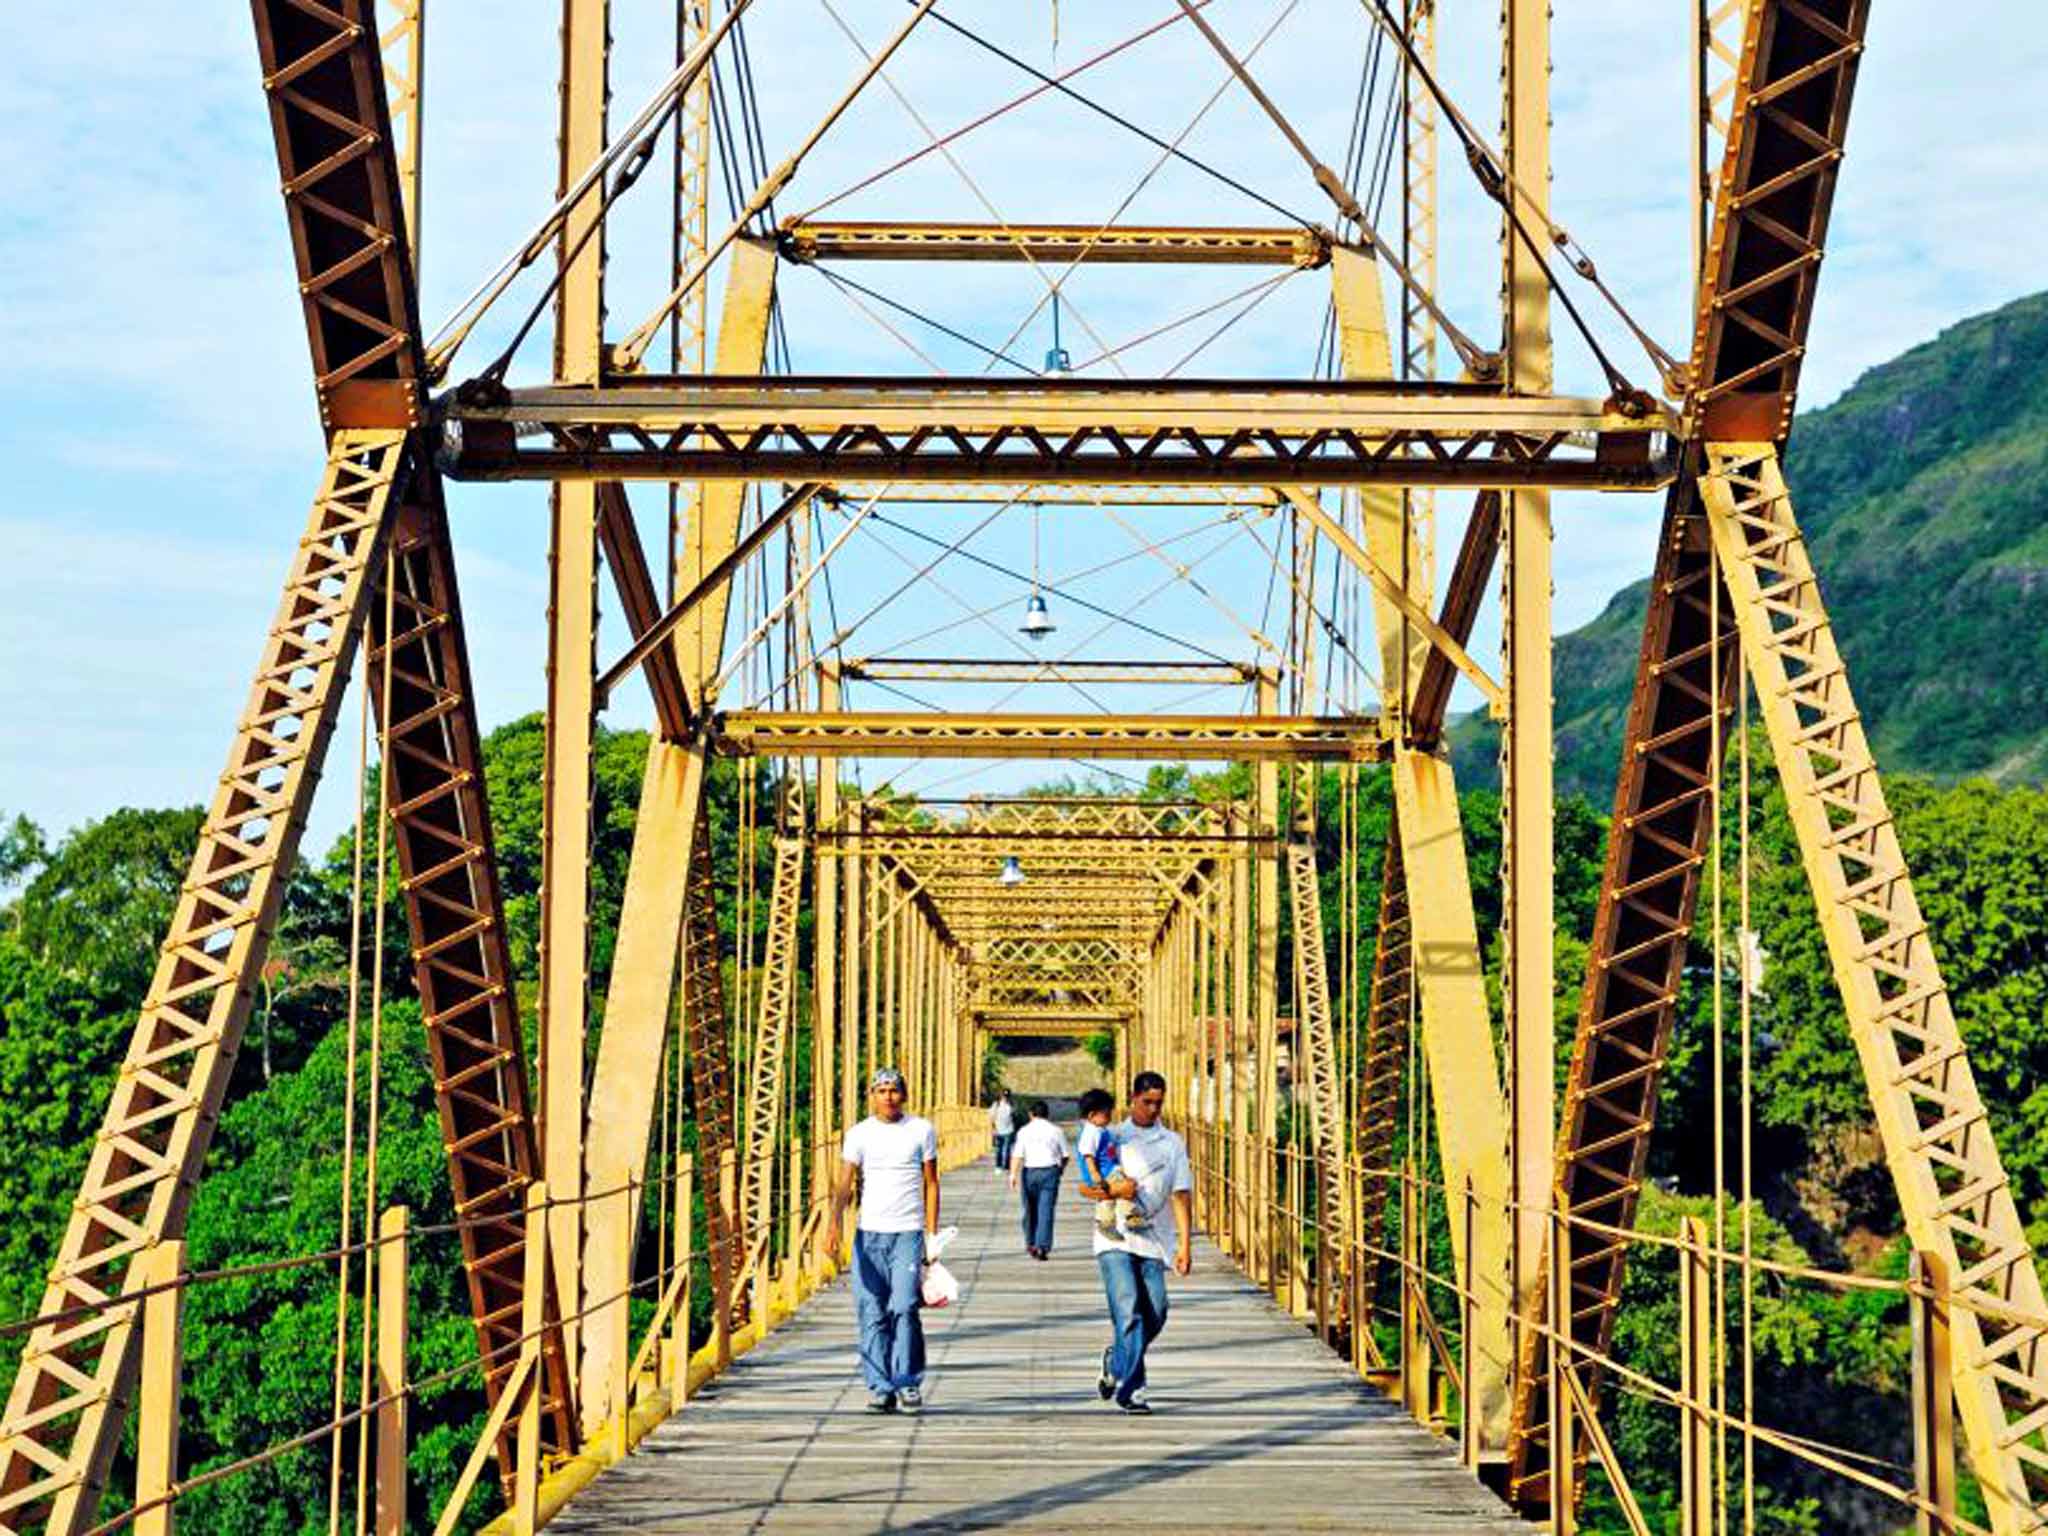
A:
(1096, 1151)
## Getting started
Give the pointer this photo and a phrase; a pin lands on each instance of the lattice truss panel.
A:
(767, 1070)
(70, 1396)
(702, 993)
(1383, 1056)
(1317, 1032)
(1952, 1186)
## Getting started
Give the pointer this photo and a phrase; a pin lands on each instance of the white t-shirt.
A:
(1156, 1159)
(1003, 1116)
(891, 1155)
(1041, 1144)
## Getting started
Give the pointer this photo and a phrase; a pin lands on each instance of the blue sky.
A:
(157, 413)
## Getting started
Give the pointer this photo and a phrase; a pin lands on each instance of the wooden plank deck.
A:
(1257, 1428)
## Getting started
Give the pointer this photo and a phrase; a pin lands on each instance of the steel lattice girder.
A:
(1086, 815)
(70, 1395)
(1264, 433)
(1953, 1189)
(1788, 115)
(1188, 245)
(1184, 738)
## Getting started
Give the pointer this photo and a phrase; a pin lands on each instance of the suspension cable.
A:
(1481, 363)
(1502, 187)
(642, 335)
(646, 124)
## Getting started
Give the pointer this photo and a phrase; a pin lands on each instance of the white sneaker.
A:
(909, 1400)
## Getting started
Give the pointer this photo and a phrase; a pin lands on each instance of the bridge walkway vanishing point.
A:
(1258, 1427)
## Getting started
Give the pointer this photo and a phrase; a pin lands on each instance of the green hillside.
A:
(1924, 494)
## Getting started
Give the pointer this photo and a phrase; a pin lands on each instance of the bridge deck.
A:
(1257, 1427)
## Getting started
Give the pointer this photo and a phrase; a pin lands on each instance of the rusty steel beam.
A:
(640, 604)
(462, 960)
(1772, 199)
(324, 75)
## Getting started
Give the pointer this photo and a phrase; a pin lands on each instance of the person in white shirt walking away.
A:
(896, 1157)
(1002, 1124)
(1041, 1153)
(1154, 1175)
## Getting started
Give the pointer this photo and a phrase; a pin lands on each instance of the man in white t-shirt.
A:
(1037, 1161)
(896, 1158)
(1154, 1175)
(1002, 1124)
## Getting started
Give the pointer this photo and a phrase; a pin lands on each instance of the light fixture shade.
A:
(1037, 621)
(1012, 873)
(1058, 362)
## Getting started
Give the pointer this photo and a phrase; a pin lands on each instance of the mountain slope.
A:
(1924, 495)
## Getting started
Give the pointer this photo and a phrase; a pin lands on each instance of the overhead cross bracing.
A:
(1218, 492)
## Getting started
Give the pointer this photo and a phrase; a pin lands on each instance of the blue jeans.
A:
(886, 1296)
(1136, 1289)
(1041, 1198)
(1003, 1150)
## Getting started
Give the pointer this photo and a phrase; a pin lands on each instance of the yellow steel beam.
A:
(1457, 1038)
(636, 1018)
(572, 640)
(1188, 245)
(1266, 432)
(1196, 738)
(918, 669)
(1528, 972)
(1230, 499)
(1952, 1186)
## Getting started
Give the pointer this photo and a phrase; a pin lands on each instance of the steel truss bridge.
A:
(1162, 922)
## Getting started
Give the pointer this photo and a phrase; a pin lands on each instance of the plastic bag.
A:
(940, 1288)
(935, 1243)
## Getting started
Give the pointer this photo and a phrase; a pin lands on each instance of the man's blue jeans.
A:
(1136, 1289)
(1041, 1198)
(887, 1294)
(1003, 1144)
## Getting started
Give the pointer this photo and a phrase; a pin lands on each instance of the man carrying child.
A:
(1152, 1174)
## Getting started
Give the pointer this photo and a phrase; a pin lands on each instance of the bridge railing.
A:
(1258, 1202)
(651, 1378)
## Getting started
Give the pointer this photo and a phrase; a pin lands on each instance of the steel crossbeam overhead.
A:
(1182, 738)
(918, 669)
(1228, 499)
(877, 240)
(1216, 432)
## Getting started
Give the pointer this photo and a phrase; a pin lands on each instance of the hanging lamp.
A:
(1012, 873)
(1037, 617)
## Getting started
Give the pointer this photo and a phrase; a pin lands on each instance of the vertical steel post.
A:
(1526, 758)
(163, 1362)
(394, 1275)
(1266, 782)
(1695, 1382)
(679, 1320)
(532, 1317)
(572, 654)
(1934, 1404)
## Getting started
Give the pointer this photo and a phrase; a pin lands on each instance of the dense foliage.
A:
(1923, 492)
